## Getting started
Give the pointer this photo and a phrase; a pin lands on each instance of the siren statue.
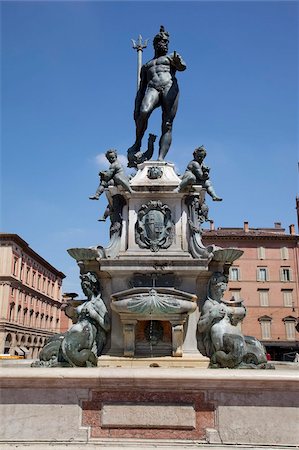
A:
(81, 345)
(220, 337)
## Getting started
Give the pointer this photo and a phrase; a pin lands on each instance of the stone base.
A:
(181, 408)
(187, 361)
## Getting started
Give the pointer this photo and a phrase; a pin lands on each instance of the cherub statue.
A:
(219, 335)
(198, 173)
(115, 175)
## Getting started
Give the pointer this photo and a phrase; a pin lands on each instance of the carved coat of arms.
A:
(154, 227)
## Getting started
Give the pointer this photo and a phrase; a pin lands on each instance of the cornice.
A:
(17, 284)
(247, 236)
(13, 327)
(25, 246)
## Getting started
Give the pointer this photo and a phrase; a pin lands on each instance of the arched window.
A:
(7, 343)
(290, 327)
(25, 316)
(265, 322)
(11, 311)
(30, 317)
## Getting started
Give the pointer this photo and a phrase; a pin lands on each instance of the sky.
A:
(68, 83)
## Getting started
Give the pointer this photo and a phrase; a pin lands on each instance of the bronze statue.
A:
(81, 345)
(198, 173)
(158, 87)
(220, 337)
(115, 175)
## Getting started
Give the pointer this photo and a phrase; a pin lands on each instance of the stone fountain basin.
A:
(147, 301)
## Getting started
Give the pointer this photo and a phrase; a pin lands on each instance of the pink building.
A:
(30, 298)
(266, 277)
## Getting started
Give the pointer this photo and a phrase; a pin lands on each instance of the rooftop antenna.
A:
(139, 46)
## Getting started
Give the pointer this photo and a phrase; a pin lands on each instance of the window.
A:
(18, 313)
(25, 316)
(264, 297)
(11, 311)
(234, 274)
(265, 327)
(30, 317)
(15, 266)
(44, 284)
(33, 278)
(38, 281)
(287, 295)
(262, 274)
(290, 329)
(261, 253)
(235, 293)
(22, 271)
(284, 253)
(27, 275)
(285, 274)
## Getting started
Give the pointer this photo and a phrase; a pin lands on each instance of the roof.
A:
(252, 233)
(25, 246)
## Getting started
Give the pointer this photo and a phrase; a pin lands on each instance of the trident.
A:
(139, 46)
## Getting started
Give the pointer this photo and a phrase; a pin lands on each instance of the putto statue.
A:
(158, 87)
(81, 345)
(220, 337)
(115, 175)
(198, 173)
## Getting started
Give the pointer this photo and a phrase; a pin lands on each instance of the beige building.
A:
(266, 278)
(30, 298)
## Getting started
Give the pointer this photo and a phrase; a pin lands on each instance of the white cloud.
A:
(101, 160)
(123, 160)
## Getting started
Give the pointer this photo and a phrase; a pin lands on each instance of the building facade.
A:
(30, 298)
(266, 278)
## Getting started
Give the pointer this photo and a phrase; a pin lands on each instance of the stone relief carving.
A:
(154, 226)
(116, 217)
(147, 302)
(219, 334)
(153, 173)
(81, 345)
(197, 215)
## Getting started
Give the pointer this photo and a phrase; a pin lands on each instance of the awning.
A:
(25, 350)
(18, 351)
(288, 344)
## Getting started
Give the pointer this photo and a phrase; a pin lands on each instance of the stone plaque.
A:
(148, 416)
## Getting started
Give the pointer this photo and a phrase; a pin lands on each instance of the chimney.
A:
(292, 229)
(297, 208)
(212, 226)
(246, 227)
(277, 225)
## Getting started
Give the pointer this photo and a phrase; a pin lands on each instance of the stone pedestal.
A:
(150, 251)
(148, 408)
(155, 245)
